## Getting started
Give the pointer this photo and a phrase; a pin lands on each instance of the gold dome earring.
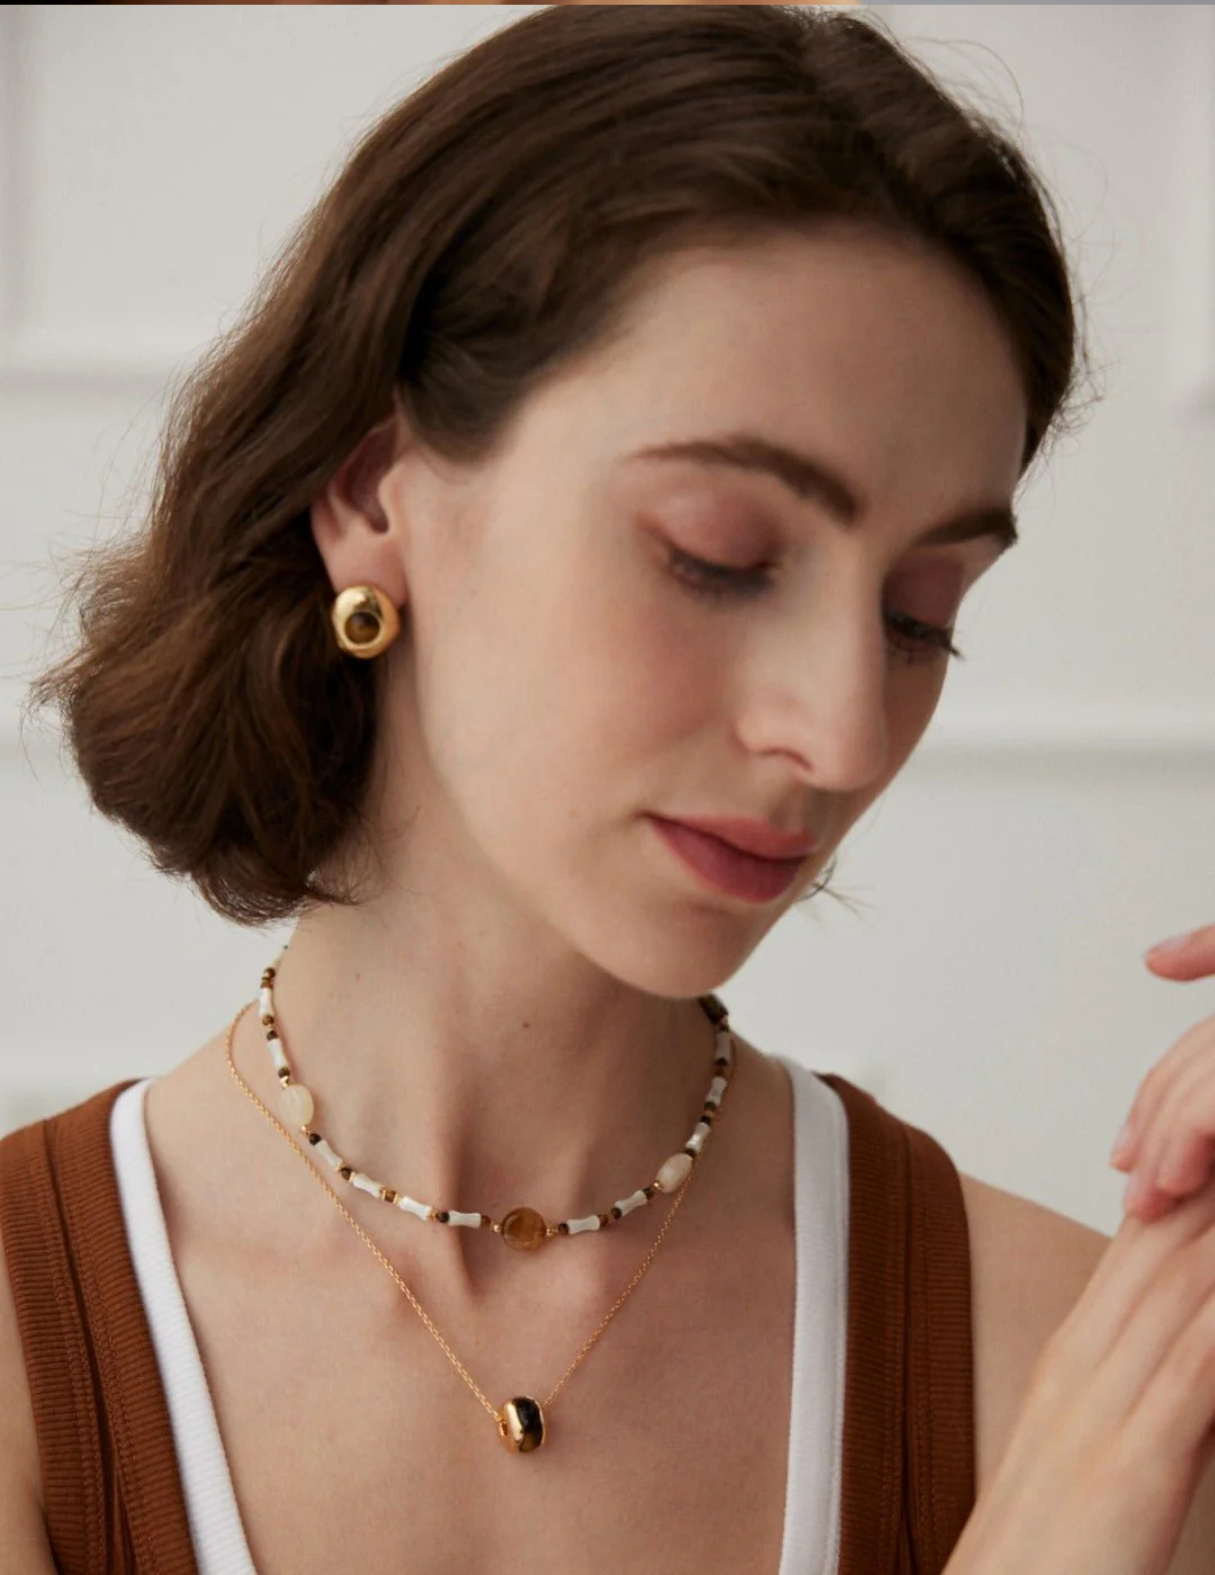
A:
(364, 620)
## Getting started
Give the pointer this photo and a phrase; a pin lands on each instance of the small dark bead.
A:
(344, 1171)
(604, 1221)
(271, 1033)
(650, 1190)
(389, 1195)
(442, 1216)
(314, 1137)
(563, 1228)
(617, 1212)
(714, 1008)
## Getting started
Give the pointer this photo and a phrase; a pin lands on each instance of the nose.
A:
(821, 696)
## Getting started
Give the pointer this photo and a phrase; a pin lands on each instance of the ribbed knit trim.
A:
(908, 1444)
(62, 1381)
(940, 1397)
(114, 1501)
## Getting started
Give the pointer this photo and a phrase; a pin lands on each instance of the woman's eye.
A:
(719, 582)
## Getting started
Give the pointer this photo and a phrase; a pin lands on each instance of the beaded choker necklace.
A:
(521, 1421)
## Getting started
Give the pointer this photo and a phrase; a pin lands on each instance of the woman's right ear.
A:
(355, 534)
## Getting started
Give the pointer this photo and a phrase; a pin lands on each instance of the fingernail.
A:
(1132, 1192)
(1173, 944)
(1121, 1144)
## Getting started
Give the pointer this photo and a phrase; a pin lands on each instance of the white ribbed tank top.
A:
(810, 1544)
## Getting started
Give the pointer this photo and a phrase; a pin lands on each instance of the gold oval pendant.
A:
(521, 1425)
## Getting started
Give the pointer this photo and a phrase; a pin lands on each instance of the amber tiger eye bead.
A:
(524, 1229)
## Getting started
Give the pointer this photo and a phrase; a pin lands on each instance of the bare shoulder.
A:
(22, 1527)
(1029, 1265)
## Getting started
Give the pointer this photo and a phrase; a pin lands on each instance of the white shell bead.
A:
(296, 1104)
(697, 1140)
(412, 1206)
(454, 1217)
(638, 1200)
(674, 1172)
(591, 1222)
(725, 1043)
(328, 1154)
(267, 1001)
(716, 1089)
(364, 1183)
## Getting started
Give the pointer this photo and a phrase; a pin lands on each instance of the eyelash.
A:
(720, 582)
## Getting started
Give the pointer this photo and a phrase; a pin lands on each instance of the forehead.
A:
(876, 349)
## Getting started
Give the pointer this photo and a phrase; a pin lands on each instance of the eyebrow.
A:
(810, 480)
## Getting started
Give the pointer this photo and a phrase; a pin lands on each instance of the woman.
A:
(612, 450)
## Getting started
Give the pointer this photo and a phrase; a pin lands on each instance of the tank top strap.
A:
(112, 1488)
(908, 1470)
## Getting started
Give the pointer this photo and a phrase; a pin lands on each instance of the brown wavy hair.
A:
(489, 228)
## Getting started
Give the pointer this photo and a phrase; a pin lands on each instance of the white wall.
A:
(1057, 818)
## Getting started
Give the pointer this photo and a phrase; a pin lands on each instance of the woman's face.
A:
(557, 681)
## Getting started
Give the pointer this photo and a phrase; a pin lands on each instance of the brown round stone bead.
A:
(524, 1229)
(362, 627)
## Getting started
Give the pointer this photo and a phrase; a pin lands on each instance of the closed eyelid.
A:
(809, 479)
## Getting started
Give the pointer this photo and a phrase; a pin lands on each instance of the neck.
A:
(475, 1087)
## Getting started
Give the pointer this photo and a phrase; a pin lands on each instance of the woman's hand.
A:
(1118, 1425)
(1171, 1127)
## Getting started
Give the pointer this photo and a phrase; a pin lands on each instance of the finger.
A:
(1186, 1164)
(1182, 1103)
(1146, 1205)
(1161, 1078)
(1126, 1272)
(1183, 1118)
(1189, 957)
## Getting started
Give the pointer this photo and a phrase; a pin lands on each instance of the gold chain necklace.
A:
(521, 1421)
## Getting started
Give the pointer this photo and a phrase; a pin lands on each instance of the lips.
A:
(725, 867)
(753, 837)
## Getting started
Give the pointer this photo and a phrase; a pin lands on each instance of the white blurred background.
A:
(1056, 821)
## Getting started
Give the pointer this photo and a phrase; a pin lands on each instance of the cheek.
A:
(548, 699)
